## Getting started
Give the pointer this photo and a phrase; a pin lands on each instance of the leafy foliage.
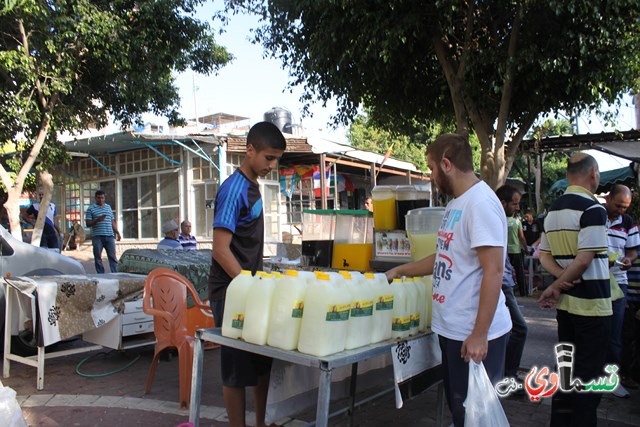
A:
(69, 64)
(494, 66)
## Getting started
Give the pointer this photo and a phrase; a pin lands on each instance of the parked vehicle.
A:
(23, 259)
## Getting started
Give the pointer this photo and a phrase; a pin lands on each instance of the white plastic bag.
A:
(10, 412)
(482, 406)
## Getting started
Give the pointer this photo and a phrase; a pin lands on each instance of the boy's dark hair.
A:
(454, 147)
(506, 192)
(99, 193)
(266, 135)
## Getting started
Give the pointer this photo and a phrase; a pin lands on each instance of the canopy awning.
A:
(624, 175)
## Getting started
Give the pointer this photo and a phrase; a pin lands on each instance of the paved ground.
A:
(70, 399)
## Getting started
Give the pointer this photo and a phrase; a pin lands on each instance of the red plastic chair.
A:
(165, 298)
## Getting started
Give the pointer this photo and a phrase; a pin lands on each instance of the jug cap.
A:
(276, 274)
(292, 273)
(345, 274)
(369, 275)
(245, 272)
(321, 275)
(397, 280)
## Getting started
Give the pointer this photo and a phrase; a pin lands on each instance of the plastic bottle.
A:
(382, 306)
(287, 307)
(326, 313)
(422, 302)
(234, 305)
(361, 314)
(401, 322)
(412, 305)
(258, 308)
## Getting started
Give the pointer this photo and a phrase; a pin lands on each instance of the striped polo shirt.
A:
(576, 222)
(633, 275)
(102, 228)
(623, 235)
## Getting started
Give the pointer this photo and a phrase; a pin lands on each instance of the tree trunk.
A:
(13, 211)
(538, 174)
(46, 181)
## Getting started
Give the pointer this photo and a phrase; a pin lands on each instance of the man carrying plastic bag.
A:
(469, 312)
(482, 406)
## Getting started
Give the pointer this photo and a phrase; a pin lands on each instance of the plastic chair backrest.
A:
(165, 297)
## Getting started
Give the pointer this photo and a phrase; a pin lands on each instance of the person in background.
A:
(469, 312)
(50, 232)
(99, 217)
(510, 198)
(532, 230)
(368, 204)
(631, 330)
(238, 233)
(516, 243)
(187, 240)
(623, 250)
(573, 249)
(170, 241)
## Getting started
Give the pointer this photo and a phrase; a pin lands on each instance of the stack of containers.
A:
(382, 307)
(287, 309)
(326, 313)
(258, 308)
(235, 304)
(361, 314)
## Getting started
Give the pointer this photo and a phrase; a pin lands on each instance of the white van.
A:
(23, 259)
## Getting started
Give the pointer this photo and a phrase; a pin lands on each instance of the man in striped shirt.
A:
(574, 250)
(103, 225)
(623, 248)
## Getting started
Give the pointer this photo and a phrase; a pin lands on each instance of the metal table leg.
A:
(324, 396)
(6, 363)
(196, 380)
(352, 392)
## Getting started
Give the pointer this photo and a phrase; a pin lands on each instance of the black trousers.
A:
(517, 261)
(587, 334)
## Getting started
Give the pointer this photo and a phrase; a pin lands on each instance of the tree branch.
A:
(455, 89)
(507, 88)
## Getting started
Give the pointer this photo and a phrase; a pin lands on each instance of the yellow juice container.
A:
(384, 207)
(352, 256)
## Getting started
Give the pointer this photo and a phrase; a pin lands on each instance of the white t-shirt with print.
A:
(474, 219)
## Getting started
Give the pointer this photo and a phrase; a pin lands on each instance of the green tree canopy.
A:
(69, 64)
(492, 66)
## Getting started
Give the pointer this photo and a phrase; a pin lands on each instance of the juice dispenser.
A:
(422, 229)
(318, 228)
(409, 197)
(353, 243)
(384, 207)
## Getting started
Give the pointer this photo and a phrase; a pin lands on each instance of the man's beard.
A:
(444, 183)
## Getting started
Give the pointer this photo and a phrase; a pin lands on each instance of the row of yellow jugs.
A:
(322, 313)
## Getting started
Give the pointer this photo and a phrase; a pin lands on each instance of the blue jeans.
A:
(614, 351)
(109, 244)
(455, 372)
(518, 335)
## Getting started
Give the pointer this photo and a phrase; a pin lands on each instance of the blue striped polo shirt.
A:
(102, 228)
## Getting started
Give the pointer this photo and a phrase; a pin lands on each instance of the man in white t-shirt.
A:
(469, 311)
